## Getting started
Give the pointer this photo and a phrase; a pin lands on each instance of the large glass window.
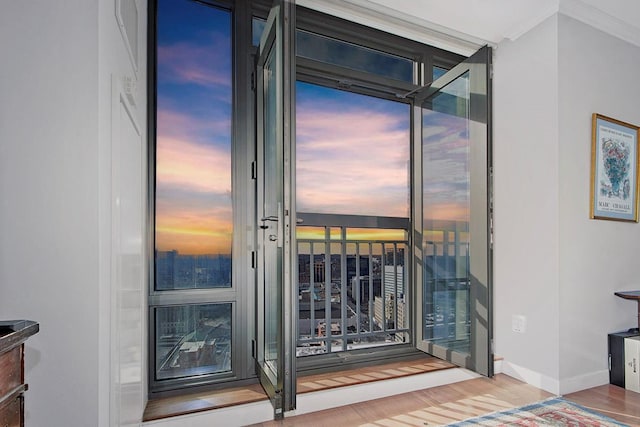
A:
(192, 333)
(352, 182)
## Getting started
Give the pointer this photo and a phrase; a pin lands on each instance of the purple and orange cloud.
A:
(193, 184)
(203, 64)
(352, 162)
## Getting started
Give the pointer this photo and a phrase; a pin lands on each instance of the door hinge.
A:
(254, 170)
(254, 259)
(491, 207)
(253, 348)
(491, 233)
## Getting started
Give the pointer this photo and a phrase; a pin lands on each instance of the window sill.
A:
(166, 407)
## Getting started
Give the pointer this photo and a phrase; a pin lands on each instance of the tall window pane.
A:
(446, 206)
(193, 147)
(192, 340)
(349, 55)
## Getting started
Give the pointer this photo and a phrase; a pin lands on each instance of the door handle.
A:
(272, 218)
(277, 219)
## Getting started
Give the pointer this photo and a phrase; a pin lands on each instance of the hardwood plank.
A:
(454, 402)
(613, 401)
(433, 406)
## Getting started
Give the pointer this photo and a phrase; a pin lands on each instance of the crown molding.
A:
(390, 20)
(601, 20)
(384, 18)
(525, 26)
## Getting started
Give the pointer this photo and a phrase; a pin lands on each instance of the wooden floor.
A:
(428, 407)
(204, 401)
(613, 401)
(432, 406)
(455, 402)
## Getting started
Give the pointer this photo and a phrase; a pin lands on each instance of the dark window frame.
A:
(243, 129)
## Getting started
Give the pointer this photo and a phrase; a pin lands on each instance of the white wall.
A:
(62, 241)
(526, 248)
(49, 201)
(122, 218)
(553, 264)
(598, 73)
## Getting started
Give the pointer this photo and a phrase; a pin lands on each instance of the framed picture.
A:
(614, 169)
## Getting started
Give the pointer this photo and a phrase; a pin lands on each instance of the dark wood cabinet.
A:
(13, 334)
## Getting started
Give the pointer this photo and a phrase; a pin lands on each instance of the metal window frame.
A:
(240, 294)
(242, 291)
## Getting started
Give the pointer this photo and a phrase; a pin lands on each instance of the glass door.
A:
(452, 216)
(274, 361)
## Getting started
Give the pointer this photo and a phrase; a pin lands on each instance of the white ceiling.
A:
(490, 20)
(463, 25)
(494, 20)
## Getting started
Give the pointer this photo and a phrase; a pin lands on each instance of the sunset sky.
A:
(352, 153)
(193, 154)
(352, 150)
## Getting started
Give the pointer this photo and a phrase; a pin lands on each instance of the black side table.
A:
(631, 295)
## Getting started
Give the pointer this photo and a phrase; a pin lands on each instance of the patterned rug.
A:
(552, 412)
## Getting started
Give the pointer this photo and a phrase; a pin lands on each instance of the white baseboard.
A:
(585, 381)
(553, 385)
(529, 376)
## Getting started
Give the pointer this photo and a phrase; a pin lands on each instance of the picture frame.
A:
(614, 169)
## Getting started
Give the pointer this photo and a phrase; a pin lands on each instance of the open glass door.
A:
(274, 324)
(453, 220)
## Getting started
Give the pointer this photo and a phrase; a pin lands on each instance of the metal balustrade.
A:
(352, 282)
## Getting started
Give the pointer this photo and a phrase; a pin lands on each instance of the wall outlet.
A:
(518, 323)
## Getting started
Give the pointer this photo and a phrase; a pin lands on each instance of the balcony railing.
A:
(352, 282)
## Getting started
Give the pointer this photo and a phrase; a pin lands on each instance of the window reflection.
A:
(446, 207)
(337, 52)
